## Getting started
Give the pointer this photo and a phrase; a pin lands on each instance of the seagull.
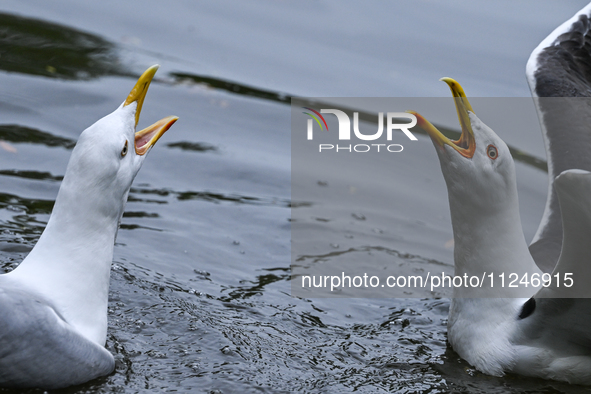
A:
(539, 330)
(53, 306)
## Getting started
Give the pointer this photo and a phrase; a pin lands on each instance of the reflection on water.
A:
(210, 197)
(23, 134)
(192, 146)
(25, 205)
(37, 47)
(232, 87)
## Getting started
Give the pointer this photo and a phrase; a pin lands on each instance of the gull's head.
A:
(109, 153)
(70, 263)
(478, 167)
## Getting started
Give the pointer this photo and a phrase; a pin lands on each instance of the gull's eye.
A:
(124, 150)
(491, 151)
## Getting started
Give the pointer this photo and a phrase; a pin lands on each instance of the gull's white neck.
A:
(70, 264)
(489, 239)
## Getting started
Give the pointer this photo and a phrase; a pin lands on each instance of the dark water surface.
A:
(200, 287)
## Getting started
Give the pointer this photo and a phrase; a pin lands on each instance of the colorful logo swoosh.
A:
(316, 118)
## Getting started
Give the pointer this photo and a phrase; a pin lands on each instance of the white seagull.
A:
(53, 306)
(540, 331)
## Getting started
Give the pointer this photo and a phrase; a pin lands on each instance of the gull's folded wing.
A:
(559, 317)
(39, 349)
(559, 75)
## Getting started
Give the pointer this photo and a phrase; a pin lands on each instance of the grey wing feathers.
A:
(561, 317)
(559, 74)
(564, 66)
(39, 349)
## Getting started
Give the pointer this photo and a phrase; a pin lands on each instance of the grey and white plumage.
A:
(54, 304)
(536, 331)
(559, 75)
(40, 349)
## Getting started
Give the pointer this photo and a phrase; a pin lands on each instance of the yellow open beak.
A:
(466, 145)
(147, 137)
